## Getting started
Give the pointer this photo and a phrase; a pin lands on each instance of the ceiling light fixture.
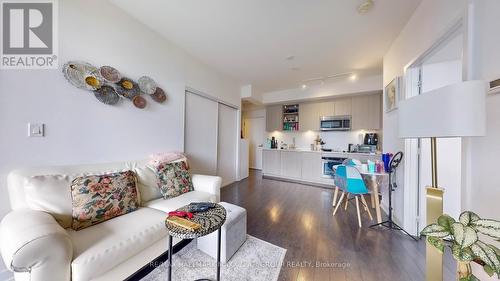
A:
(353, 77)
(322, 80)
(365, 7)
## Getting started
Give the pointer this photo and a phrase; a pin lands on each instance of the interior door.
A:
(227, 144)
(255, 128)
(200, 133)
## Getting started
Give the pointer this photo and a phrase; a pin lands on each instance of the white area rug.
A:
(256, 260)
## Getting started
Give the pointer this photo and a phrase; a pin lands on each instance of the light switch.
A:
(36, 129)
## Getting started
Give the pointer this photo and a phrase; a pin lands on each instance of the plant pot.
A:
(464, 270)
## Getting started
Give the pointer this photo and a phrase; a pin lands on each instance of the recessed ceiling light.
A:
(353, 77)
(304, 86)
(365, 7)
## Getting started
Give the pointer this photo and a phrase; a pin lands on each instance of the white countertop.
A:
(323, 152)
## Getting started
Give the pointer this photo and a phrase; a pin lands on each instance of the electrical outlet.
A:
(36, 130)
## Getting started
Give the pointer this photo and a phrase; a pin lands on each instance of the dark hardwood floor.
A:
(299, 218)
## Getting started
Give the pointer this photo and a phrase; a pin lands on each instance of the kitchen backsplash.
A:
(334, 140)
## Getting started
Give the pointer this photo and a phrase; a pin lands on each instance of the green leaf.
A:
(488, 270)
(436, 242)
(461, 254)
(435, 230)
(465, 236)
(446, 222)
(488, 227)
(495, 249)
(486, 254)
(473, 278)
(466, 218)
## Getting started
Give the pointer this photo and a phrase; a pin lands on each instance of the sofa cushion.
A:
(173, 179)
(97, 198)
(50, 194)
(147, 183)
(175, 203)
(99, 248)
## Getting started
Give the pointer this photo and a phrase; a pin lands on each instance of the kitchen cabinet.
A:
(291, 164)
(367, 112)
(274, 118)
(271, 162)
(326, 108)
(309, 117)
(343, 106)
(311, 166)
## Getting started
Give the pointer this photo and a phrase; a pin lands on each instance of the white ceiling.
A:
(251, 39)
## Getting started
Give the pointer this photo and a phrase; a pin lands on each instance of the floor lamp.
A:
(457, 110)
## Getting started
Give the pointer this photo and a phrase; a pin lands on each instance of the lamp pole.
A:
(434, 259)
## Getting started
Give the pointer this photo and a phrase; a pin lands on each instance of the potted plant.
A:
(462, 238)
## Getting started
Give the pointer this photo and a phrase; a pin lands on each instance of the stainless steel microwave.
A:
(335, 123)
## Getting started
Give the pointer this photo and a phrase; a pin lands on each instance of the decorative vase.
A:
(464, 270)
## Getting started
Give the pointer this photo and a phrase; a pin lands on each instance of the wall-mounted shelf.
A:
(291, 117)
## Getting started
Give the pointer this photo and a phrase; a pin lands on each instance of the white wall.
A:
(430, 20)
(484, 187)
(342, 86)
(485, 150)
(79, 129)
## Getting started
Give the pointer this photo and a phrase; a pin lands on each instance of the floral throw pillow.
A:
(97, 198)
(173, 179)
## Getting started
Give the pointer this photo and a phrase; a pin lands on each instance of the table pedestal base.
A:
(170, 242)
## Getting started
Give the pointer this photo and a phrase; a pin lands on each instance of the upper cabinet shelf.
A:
(291, 117)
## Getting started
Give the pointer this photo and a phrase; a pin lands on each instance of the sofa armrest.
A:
(33, 242)
(210, 184)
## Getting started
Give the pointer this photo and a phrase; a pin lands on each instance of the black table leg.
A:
(170, 257)
(218, 253)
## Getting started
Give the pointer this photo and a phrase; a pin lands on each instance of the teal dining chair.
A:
(340, 178)
(353, 185)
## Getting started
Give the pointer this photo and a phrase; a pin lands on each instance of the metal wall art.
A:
(109, 86)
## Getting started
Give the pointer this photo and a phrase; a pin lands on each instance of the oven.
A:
(329, 164)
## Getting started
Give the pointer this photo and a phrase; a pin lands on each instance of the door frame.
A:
(412, 87)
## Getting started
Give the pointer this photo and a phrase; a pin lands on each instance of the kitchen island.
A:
(304, 166)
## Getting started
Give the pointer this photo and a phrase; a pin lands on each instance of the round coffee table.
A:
(210, 221)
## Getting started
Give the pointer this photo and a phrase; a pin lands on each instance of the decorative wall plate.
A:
(127, 88)
(159, 95)
(110, 74)
(107, 95)
(76, 73)
(147, 85)
(109, 86)
(94, 80)
(139, 102)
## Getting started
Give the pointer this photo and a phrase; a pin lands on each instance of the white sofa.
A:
(36, 243)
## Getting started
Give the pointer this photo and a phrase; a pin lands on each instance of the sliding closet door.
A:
(227, 146)
(200, 138)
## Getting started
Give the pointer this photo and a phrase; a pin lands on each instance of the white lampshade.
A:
(457, 110)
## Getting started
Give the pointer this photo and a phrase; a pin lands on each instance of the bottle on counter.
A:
(274, 143)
